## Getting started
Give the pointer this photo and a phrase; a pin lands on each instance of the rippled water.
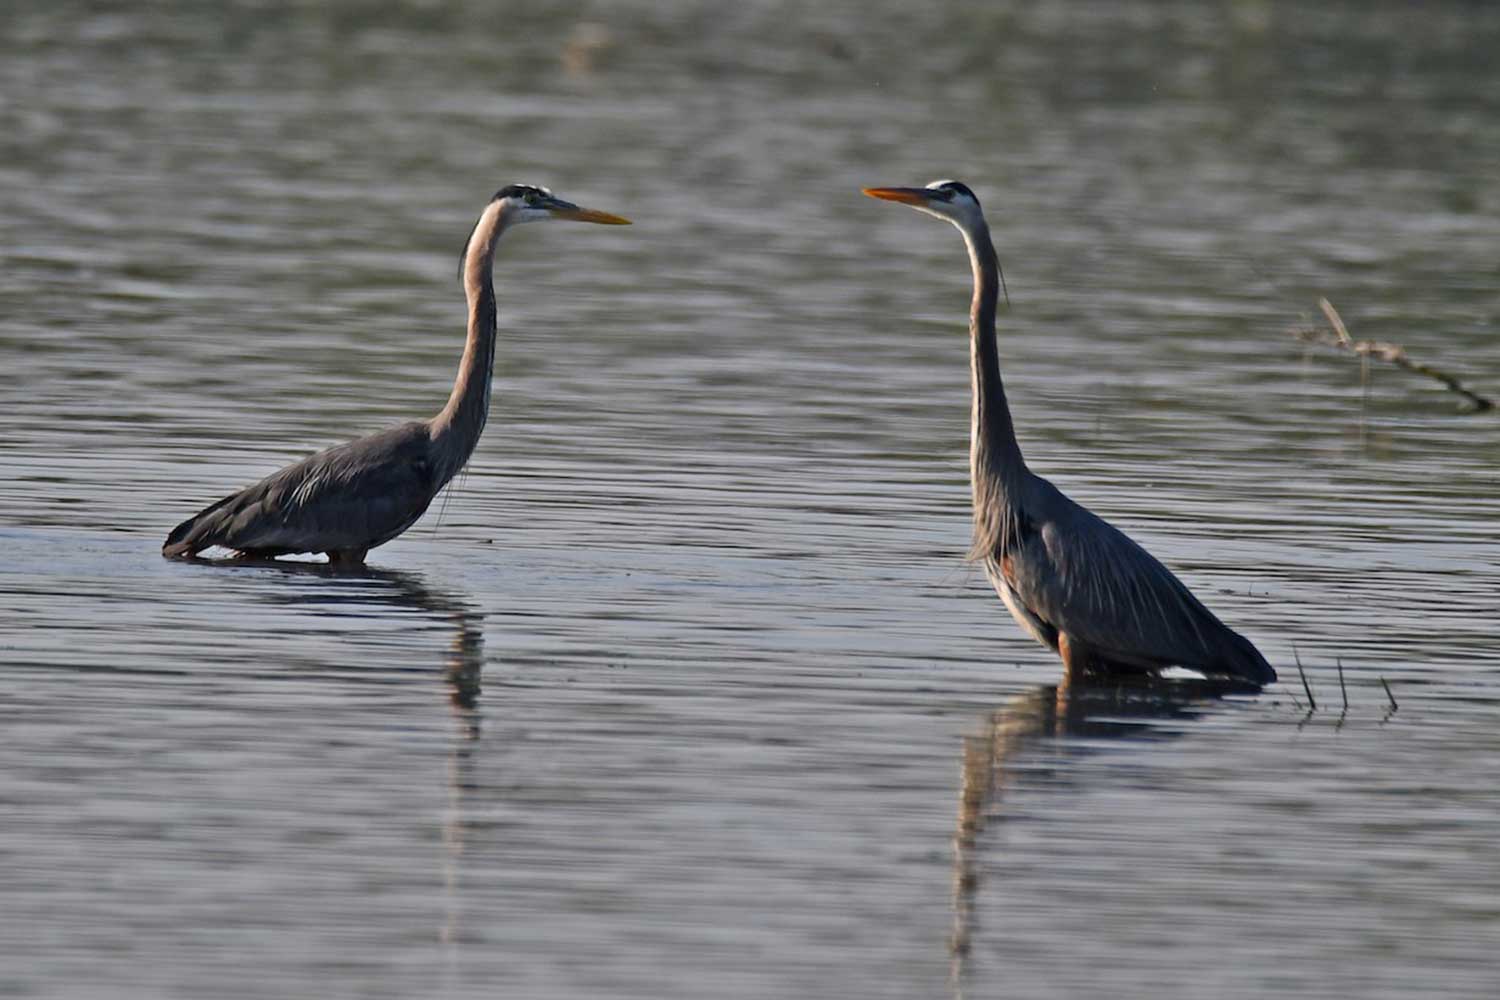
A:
(685, 689)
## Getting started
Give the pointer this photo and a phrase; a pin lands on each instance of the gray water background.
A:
(685, 690)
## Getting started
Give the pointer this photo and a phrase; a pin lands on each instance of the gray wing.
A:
(1085, 578)
(352, 496)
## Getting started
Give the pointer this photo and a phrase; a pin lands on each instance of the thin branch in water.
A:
(1305, 686)
(1338, 337)
(1388, 694)
(1337, 322)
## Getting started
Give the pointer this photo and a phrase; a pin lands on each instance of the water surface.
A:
(685, 689)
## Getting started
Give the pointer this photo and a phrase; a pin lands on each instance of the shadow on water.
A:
(1060, 714)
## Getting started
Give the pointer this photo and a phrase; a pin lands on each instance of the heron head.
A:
(530, 203)
(951, 200)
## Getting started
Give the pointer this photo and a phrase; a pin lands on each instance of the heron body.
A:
(1073, 581)
(350, 498)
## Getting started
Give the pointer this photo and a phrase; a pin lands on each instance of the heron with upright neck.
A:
(350, 498)
(1072, 580)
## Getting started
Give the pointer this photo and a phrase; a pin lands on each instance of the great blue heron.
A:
(1072, 580)
(353, 497)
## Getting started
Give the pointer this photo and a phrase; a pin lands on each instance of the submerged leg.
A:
(1079, 661)
(1082, 660)
(347, 557)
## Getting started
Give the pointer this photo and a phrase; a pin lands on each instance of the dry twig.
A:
(1337, 336)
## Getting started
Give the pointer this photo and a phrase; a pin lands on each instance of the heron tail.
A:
(1244, 661)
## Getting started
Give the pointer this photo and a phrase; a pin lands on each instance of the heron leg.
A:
(347, 557)
(1079, 660)
(1082, 660)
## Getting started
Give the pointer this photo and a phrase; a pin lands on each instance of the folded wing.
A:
(1085, 578)
(352, 496)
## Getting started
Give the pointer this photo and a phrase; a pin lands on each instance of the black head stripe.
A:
(956, 188)
(520, 191)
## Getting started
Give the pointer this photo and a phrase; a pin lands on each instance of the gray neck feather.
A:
(996, 468)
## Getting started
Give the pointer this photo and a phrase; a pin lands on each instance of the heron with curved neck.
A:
(350, 498)
(1072, 580)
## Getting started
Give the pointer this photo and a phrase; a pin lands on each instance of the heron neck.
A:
(995, 462)
(458, 426)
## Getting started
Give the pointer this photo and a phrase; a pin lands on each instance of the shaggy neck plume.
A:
(996, 467)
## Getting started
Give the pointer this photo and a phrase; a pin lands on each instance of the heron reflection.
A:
(359, 587)
(992, 759)
(463, 662)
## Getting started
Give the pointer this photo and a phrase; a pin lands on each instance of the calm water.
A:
(685, 690)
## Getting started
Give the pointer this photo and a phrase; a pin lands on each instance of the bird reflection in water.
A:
(398, 589)
(1132, 709)
(463, 665)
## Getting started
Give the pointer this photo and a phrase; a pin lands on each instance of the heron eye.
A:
(530, 197)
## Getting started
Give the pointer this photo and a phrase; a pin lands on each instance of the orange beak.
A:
(907, 196)
(573, 213)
